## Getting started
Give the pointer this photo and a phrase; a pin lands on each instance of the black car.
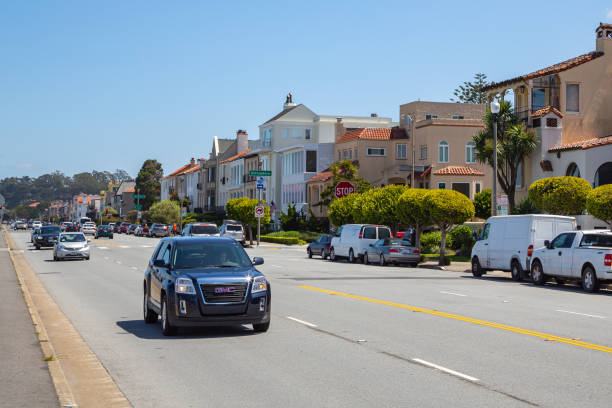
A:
(320, 247)
(205, 281)
(47, 237)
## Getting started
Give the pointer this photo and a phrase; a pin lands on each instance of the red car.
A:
(123, 228)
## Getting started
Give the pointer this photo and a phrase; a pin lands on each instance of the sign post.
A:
(260, 211)
(343, 189)
(502, 204)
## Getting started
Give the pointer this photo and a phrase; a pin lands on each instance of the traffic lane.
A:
(101, 305)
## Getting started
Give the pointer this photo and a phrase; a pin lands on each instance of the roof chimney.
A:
(373, 115)
(289, 102)
(192, 161)
(242, 141)
(339, 129)
(603, 35)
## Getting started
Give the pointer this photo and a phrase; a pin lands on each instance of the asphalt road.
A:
(344, 335)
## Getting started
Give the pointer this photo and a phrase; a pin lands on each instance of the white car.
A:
(71, 245)
(36, 224)
(507, 242)
(233, 230)
(353, 240)
(89, 228)
(584, 256)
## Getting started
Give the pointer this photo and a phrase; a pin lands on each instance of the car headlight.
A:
(259, 284)
(60, 246)
(184, 285)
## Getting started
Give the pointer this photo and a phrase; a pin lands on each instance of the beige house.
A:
(569, 105)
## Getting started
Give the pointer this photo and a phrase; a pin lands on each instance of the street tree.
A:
(599, 203)
(343, 171)
(560, 195)
(165, 212)
(472, 92)
(411, 211)
(121, 175)
(482, 204)
(379, 206)
(447, 208)
(514, 144)
(341, 210)
(243, 210)
(148, 182)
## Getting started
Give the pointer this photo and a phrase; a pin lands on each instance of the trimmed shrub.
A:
(461, 237)
(482, 204)
(430, 242)
(560, 195)
(283, 240)
(525, 207)
(599, 203)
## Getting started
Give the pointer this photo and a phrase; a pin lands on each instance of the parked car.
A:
(89, 228)
(158, 230)
(29, 224)
(507, 242)
(19, 225)
(321, 246)
(104, 231)
(230, 290)
(131, 229)
(584, 256)
(36, 224)
(141, 231)
(392, 250)
(408, 235)
(64, 225)
(200, 229)
(34, 234)
(47, 237)
(352, 240)
(123, 228)
(71, 245)
(233, 230)
(117, 228)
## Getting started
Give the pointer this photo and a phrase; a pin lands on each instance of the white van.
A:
(352, 240)
(507, 242)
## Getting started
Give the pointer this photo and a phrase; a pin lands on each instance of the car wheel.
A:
(309, 253)
(261, 327)
(366, 261)
(332, 255)
(351, 257)
(149, 315)
(87, 258)
(537, 273)
(167, 328)
(515, 271)
(476, 268)
(324, 254)
(37, 246)
(589, 280)
(55, 258)
(381, 260)
(413, 264)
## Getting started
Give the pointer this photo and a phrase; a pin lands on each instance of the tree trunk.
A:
(417, 239)
(442, 247)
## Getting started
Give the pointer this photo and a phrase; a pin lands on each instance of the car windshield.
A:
(400, 242)
(50, 230)
(234, 227)
(204, 229)
(210, 255)
(72, 238)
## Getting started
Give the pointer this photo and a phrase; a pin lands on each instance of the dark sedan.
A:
(320, 247)
(104, 231)
(205, 281)
(47, 237)
(390, 250)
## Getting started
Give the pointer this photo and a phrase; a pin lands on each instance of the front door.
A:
(159, 272)
(463, 188)
(559, 257)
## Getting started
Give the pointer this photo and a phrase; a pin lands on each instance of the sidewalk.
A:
(24, 378)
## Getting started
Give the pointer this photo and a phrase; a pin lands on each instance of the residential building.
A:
(173, 185)
(208, 175)
(231, 176)
(123, 200)
(569, 106)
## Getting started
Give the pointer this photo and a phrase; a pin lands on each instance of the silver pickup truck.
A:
(584, 256)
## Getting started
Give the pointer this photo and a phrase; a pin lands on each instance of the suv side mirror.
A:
(547, 244)
(258, 261)
(159, 262)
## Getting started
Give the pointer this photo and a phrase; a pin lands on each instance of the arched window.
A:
(443, 152)
(470, 152)
(573, 170)
(603, 175)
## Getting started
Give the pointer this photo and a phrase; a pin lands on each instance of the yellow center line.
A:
(549, 337)
(107, 243)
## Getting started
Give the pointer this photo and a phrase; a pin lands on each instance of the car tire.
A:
(381, 260)
(324, 254)
(309, 253)
(516, 272)
(366, 261)
(149, 315)
(413, 264)
(476, 268)
(332, 255)
(87, 258)
(55, 258)
(167, 328)
(351, 257)
(37, 246)
(537, 274)
(589, 280)
(261, 327)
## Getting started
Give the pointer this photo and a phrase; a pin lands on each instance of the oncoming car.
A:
(71, 245)
(205, 281)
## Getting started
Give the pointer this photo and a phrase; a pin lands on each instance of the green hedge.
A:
(283, 240)
(307, 236)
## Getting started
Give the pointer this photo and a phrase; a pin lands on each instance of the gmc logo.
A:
(219, 291)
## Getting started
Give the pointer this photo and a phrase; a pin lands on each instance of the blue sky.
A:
(104, 85)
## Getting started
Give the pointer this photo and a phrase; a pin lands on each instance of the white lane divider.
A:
(452, 293)
(301, 321)
(124, 246)
(102, 247)
(146, 246)
(276, 266)
(446, 370)
(581, 314)
(134, 268)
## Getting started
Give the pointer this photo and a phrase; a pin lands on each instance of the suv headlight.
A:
(185, 285)
(259, 284)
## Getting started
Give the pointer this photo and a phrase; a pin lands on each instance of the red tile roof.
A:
(546, 111)
(583, 144)
(36, 204)
(322, 176)
(458, 171)
(182, 170)
(130, 190)
(191, 170)
(236, 156)
(373, 134)
(553, 69)
(426, 172)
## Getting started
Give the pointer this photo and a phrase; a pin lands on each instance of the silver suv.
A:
(233, 230)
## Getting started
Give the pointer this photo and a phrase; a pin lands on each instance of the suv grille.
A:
(224, 292)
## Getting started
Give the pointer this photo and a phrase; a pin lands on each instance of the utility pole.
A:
(413, 155)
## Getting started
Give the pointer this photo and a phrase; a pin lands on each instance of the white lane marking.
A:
(276, 266)
(119, 262)
(146, 246)
(102, 247)
(452, 293)
(124, 246)
(301, 321)
(581, 314)
(106, 257)
(444, 369)
(134, 268)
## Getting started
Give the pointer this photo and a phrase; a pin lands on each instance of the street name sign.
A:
(139, 196)
(256, 173)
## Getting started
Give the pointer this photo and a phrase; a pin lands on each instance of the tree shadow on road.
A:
(153, 331)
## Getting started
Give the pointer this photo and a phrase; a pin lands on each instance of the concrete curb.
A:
(79, 377)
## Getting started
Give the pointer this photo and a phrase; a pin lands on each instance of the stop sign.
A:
(343, 189)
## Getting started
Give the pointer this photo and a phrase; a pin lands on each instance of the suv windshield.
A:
(204, 229)
(210, 255)
(234, 227)
(72, 238)
(50, 230)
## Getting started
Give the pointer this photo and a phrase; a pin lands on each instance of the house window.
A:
(356, 157)
(572, 170)
(350, 152)
(401, 151)
(478, 188)
(293, 163)
(345, 154)
(297, 133)
(457, 117)
(431, 116)
(311, 160)
(443, 152)
(267, 140)
(519, 175)
(339, 155)
(307, 134)
(423, 152)
(551, 122)
(285, 133)
(376, 151)
(536, 122)
(470, 152)
(572, 98)
(538, 99)
(442, 186)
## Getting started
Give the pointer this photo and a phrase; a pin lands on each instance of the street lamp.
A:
(494, 112)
